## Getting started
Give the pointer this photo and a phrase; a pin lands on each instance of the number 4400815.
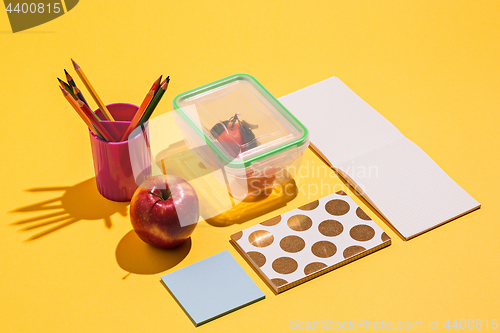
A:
(34, 8)
(471, 324)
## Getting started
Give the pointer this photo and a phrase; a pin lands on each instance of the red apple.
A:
(235, 135)
(164, 211)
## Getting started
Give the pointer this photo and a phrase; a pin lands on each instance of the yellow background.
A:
(430, 67)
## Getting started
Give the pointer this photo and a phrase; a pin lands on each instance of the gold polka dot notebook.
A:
(311, 240)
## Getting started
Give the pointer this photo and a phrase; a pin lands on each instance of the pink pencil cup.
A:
(116, 162)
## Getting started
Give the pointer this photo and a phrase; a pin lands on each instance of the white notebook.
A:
(391, 172)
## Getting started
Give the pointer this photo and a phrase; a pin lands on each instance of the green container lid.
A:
(241, 122)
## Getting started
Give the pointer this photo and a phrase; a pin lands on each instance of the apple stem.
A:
(156, 195)
(235, 119)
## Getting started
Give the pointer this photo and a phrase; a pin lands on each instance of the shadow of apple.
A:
(135, 256)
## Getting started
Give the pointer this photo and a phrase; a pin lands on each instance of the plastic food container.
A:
(242, 133)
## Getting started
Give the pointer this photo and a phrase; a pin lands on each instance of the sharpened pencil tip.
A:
(58, 79)
(63, 91)
(75, 64)
(65, 72)
(168, 79)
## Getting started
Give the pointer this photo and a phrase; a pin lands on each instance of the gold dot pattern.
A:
(323, 249)
(314, 267)
(330, 228)
(352, 251)
(285, 265)
(257, 257)
(337, 207)
(362, 232)
(237, 235)
(299, 222)
(292, 244)
(362, 215)
(273, 221)
(310, 206)
(279, 282)
(309, 240)
(261, 238)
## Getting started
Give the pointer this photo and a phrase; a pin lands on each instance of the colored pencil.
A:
(86, 120)
(142, 109)
(93, 118)
(76, 107)
(70, 80)
(82, 109)
(156, 85)
(77, 92)
(72, 83)
(156, 99)
(78, 95)
(66, 87)
(92, 92)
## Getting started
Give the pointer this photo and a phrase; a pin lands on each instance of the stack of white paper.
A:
(397, 177)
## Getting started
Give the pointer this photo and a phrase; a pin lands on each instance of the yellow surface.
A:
(68, 260)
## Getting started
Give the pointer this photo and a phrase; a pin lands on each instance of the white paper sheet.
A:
(401, 181)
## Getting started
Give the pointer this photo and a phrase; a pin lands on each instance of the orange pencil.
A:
(92, 92)
(151, 107)
(85, 113)
(75, 106)
(157, 84)
(142, 108)
(93, 118)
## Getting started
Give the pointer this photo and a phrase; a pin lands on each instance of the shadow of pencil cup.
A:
(116, 162)
(68, 205)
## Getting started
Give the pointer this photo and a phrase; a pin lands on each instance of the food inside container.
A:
(236, 126)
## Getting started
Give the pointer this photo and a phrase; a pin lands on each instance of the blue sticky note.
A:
(212, 287)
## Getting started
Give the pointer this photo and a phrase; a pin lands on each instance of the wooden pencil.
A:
(78, 110)
(77, 99)
(70, 80)
(156, 85)
(76, 107)
(72, 84)
(83, 110)
(78, 95)
(93, 118)
(142, 109)
(92, 92)
(156, 99)
(66, 86)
